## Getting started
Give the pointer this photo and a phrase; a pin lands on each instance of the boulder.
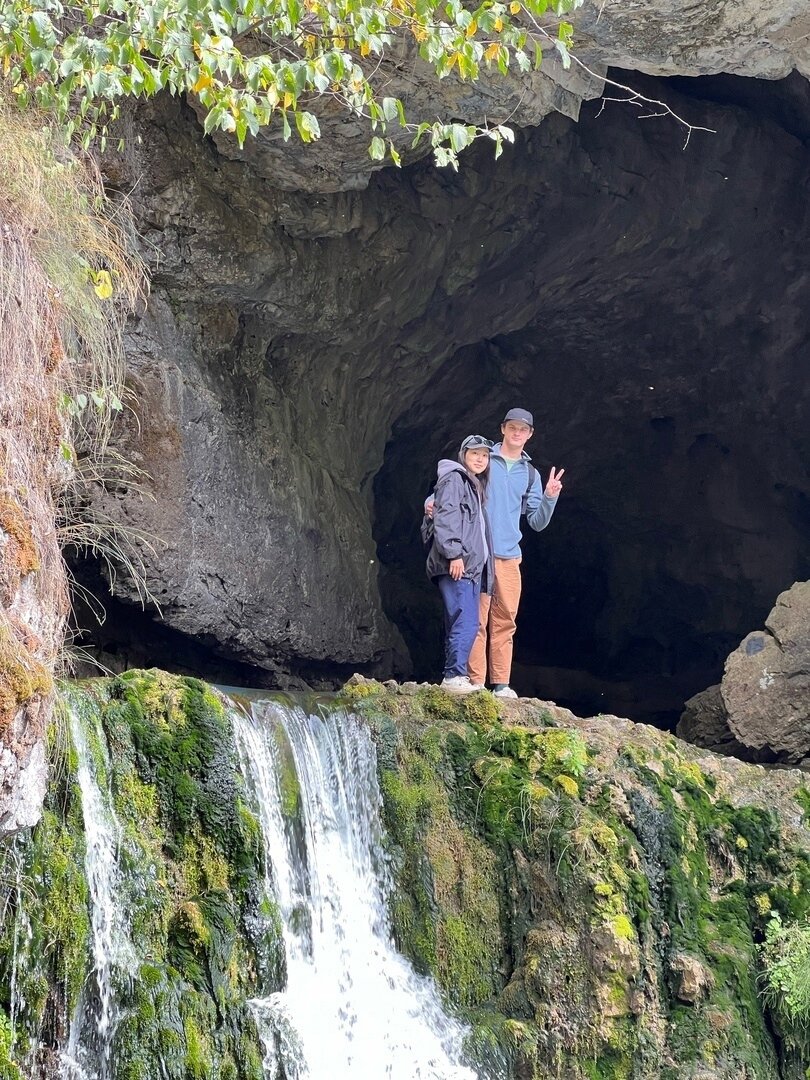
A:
(761, 709)
(766, 685)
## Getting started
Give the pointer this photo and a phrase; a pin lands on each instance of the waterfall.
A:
(93, 1025)
(352, 1006)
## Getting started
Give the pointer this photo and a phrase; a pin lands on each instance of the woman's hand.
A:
(456, 569)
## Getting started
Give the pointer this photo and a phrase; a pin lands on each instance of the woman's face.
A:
(476, 460)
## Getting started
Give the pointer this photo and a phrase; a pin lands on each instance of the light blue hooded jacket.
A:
(506, 490)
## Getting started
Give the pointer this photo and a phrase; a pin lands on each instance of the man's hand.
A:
(456, 569)
(429, 507)
(554, 485)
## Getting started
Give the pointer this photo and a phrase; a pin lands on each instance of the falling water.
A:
(352, 1006)
(93, 1025)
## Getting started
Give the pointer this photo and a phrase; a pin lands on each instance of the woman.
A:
(460, 556)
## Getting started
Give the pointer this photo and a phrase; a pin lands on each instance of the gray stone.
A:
(761, 709)
(704, 722)
(23, 780)
(766, 685)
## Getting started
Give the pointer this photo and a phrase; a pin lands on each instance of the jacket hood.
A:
(446, 465)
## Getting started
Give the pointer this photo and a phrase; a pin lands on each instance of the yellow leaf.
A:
(201, 83)
(288, 100)
(419, 33)
(272, 96)
(103, 285)
(491, 51)
(472, 28)
(514, 7)
(365, 49)
(499, 23)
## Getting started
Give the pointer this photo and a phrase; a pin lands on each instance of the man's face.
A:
(516, 434)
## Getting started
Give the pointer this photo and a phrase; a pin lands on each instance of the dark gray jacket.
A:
(460, 527)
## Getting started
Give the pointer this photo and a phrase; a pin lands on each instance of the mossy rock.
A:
(611, 850)
(191, 882)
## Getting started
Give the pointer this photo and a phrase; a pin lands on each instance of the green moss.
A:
(9, 1069)
(22, 677)
(622, 927)
(445, 911)
(437, 704)
(61, 916)
(481, 707)
(557, 751)
(352, 693)
(199, 1064)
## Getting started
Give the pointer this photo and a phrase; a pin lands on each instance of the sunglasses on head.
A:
(474, 441)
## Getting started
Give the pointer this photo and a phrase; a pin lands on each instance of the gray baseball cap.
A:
(521, 415)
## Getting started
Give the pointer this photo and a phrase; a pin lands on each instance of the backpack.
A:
(427, 522)
(524, 502)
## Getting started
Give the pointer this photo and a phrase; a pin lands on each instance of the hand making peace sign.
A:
(554, 485)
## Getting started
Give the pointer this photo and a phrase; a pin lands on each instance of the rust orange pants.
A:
(492, 650)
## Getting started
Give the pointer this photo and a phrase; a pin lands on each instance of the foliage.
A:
(252, 63)
(786, 957)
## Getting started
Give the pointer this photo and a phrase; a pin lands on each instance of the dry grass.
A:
(61, 374)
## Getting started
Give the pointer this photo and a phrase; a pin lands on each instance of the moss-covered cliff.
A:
(593, 892)
(591, 895)
(189, 892)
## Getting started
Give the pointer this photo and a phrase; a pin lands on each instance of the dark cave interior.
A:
(648, 301)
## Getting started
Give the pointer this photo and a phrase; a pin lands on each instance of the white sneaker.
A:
(477, 686)
(505, 691)
(458, 684)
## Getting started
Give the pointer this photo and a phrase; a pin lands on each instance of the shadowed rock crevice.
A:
(306, 359)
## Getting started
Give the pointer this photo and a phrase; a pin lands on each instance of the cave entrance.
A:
(660, 342)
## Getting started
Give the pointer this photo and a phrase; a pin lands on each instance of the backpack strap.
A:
(524, 502)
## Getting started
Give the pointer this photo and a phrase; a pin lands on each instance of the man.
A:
(514, 488)
(513, 483)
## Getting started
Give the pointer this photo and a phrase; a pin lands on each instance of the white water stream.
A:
(92, 1027)
(352, 1008)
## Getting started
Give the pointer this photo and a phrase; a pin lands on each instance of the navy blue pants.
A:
(460, 599)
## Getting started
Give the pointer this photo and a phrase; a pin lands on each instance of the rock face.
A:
(761, 709)
(33, 591)
(306, 358)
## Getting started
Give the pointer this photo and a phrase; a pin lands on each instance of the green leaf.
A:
(389, 108)
(376, 150)
(420, 131)
(459, 137)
